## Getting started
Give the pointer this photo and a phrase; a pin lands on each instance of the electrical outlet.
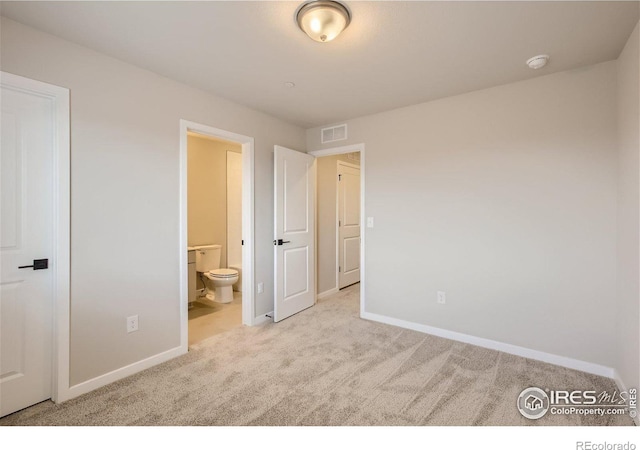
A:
(442, 297)
(260, 288)
(132, 324)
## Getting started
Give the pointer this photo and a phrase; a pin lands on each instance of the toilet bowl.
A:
(223, 280)
(208, 264)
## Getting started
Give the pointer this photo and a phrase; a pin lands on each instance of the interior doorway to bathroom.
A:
(216, 184)
(339, 215)
(214, 235)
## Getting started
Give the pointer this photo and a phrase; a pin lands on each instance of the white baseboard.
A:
(263, 318)
(550, 358)
(118, 374)
(623, 388)
(619, 382)
(325, 294)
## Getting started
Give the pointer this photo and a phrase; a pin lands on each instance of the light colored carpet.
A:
(324, 366)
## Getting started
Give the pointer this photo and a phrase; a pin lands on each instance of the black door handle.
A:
(280, 242)
(38, 264)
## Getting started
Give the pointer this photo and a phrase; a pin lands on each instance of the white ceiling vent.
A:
(332, 134)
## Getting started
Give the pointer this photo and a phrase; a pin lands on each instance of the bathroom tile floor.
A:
(208, 318)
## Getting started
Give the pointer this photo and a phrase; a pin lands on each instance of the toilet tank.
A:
(207, 257)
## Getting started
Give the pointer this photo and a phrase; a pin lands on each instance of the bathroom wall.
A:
(207, 191)
(327, 170)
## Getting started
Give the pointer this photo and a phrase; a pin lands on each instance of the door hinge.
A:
(339, 269)
(339, 177)
(339, 223)
(242, 242)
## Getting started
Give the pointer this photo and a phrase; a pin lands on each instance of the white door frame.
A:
(60, 266)
(353, 166)
(248, 251)
(339, 151)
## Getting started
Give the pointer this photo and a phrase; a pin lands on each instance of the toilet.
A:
(208, 263)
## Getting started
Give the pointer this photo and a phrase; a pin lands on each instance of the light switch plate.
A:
(369, 222)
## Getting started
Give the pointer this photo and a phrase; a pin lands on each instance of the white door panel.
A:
(348, 225)
(294, 240)
(351, 252)
(26, 204)
(296, 268)
(296, 195)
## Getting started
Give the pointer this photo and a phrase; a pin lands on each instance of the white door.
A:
(294, 240)
(348, 224)
(27, 199)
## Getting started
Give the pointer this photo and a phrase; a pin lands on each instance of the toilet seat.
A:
(223, 273)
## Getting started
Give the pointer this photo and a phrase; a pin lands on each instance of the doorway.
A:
(348, 235)
(340, 220)
(214, 235)
(226, 237)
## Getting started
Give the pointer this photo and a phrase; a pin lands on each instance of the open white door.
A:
(294, 240)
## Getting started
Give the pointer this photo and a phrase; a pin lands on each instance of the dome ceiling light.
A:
(323, 20)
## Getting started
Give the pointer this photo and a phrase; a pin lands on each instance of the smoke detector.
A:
(538, 62)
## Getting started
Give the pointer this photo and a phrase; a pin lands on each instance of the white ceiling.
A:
(393, 54)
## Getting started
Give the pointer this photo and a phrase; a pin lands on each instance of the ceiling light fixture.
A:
(323, 20)
(538, 62)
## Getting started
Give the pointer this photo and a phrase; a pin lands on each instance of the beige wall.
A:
(207, 192)
(124, 193)
(505, 199)
(327, 169)
(627, 324)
